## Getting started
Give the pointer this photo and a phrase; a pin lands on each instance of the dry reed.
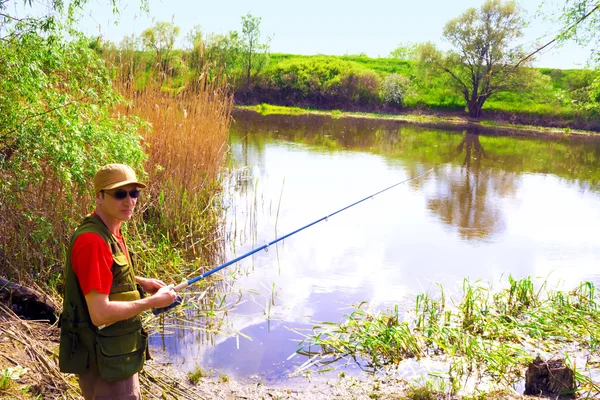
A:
(34, 235)
(186, 147)
(38, 354)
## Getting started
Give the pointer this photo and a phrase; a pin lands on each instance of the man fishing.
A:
(101, 290)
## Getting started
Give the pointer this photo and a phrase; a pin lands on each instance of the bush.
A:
(322, 80)
(57, 128)
(395, 89)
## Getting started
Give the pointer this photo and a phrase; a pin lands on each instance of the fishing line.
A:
(265, 247)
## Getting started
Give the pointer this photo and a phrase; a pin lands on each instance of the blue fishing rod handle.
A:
(161, 310)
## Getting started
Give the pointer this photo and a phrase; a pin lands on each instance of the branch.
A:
(557, 36)
(40, 114)
(10, 17)
(454, 76)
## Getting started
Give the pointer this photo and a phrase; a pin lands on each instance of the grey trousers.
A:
(94, 388)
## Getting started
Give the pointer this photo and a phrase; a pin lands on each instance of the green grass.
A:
(5, 380)
(551, 97)
(485, 335)
(269, 109)
(195, 376)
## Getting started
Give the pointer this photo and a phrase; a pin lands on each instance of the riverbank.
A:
(29, 370)
(435, 119)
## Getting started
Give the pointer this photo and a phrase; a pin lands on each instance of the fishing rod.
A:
(265, 247)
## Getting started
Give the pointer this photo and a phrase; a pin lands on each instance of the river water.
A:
(492, 206)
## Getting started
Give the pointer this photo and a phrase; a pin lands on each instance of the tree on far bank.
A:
(161, 39)
(255, 51)
(482, 62)
(404, 51)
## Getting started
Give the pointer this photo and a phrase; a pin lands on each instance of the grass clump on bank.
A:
(486, 336)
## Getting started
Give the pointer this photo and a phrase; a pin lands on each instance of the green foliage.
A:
(5, 380)
(195, 376)
(404, 51)
(485, 337)
(483, 63)
(223, 52)
(160, 39)
(330, 82)
(57, 128)
(54, 13)
(394, 89)
(56, 106)
(580, 20)
(324, 79)
(255, 52)
(587, 98)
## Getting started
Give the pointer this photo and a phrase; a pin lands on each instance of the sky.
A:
(332, 27)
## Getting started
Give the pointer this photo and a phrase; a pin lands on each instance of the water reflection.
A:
(467, 196)
(493, 206)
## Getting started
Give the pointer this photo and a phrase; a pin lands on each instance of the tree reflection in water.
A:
(466, 195)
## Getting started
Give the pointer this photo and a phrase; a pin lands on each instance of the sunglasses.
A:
(122, 193)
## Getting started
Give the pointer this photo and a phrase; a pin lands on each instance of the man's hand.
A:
(150, 285)
(164, 297)
(105, 312)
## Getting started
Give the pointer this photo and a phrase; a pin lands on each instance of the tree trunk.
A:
(474, 109)
(549, 379)
(27, 302)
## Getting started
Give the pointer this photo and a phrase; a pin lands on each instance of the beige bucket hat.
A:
(113, 176)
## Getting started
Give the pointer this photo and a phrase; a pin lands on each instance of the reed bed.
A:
(486, 336)
(179, 225)
(178, 231)
(35, 235)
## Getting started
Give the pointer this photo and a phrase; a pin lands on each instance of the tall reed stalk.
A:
(186, 146)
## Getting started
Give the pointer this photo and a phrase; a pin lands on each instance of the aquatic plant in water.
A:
(485, 338)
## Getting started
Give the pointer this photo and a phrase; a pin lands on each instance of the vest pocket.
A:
(73, 356)
(119, 357)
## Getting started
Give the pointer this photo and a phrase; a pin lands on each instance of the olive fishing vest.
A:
(118, 350)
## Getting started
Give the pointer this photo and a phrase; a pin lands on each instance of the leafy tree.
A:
(58, 12)
(483, 63)
(161, 39)
(581, 22)
(214, 54)
(404, 51)
(196, 48)
(255, 52)
(56, 128)
(223, 52)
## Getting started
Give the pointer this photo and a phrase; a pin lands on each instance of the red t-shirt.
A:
(92, 260)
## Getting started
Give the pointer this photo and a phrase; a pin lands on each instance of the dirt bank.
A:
(28, 360)
(455, 121)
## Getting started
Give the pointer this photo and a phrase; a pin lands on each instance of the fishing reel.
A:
(161, 310)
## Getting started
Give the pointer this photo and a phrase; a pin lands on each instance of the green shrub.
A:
(323, 79)
(394, 89)
(57, 128)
